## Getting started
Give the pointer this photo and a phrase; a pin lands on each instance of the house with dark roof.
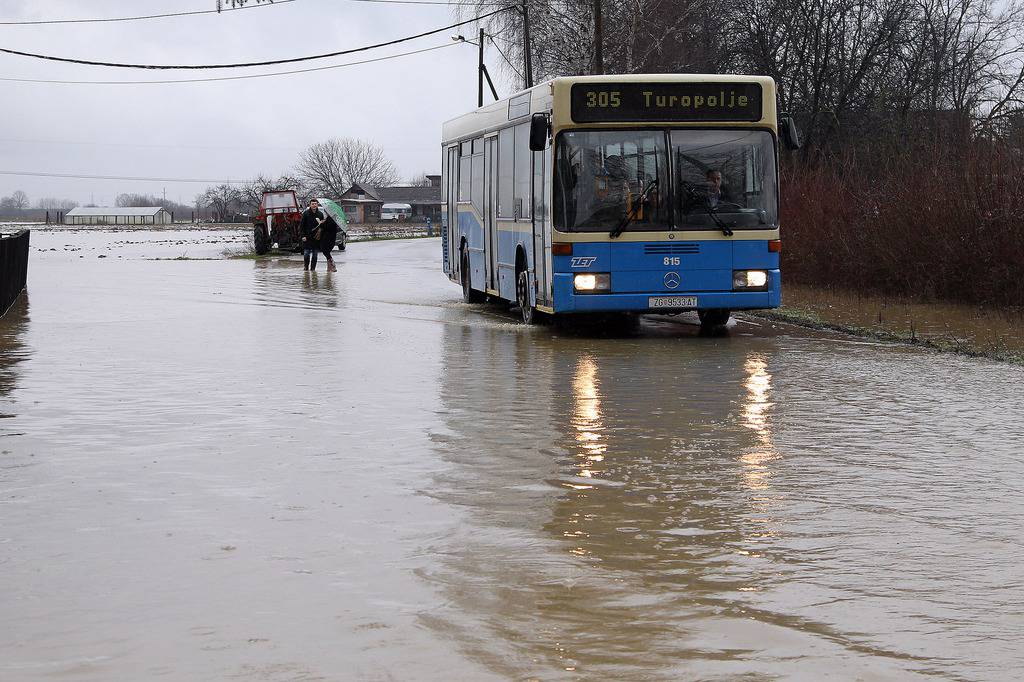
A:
(362, 203)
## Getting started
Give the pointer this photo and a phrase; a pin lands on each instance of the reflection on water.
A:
(12, 353)
(587, 418)
(639, 511)
(756, 408)
(282, 282)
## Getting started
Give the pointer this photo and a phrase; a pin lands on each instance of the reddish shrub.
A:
(944, 224)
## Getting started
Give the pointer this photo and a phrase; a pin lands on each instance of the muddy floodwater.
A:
(224, 469)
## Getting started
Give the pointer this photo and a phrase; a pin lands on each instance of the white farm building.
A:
(117, 215)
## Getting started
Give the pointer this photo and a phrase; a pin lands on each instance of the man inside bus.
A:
(716, 192)
(616, 190)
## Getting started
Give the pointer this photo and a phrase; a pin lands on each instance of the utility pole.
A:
(598, 39)
(480, 72)
(527, 58)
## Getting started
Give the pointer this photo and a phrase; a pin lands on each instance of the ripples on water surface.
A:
(225, 469)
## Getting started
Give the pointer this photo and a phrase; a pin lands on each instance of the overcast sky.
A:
(227, 130)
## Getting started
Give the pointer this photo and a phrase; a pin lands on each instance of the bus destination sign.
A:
(622, 102)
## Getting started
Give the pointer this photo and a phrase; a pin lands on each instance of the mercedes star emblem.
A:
(672, 280)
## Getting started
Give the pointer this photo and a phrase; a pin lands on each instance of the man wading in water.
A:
(309, 228)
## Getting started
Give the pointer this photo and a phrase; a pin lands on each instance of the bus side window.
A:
(523, 171)
(465, 171)
(477, 183)
(506, 175)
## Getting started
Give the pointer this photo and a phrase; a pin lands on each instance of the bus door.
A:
(451, 226)
(541, 233)
(490, 210)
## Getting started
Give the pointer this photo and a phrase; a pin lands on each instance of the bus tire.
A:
(527, 313)
(469, 294)
(713, 317)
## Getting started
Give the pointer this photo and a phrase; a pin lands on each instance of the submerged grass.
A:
(950, 343)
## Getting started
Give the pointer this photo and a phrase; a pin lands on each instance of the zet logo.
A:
(582, 261)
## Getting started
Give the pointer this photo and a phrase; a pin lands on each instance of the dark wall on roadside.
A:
(13, 268)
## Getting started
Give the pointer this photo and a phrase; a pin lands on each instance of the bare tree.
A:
(133, 199)
(252, 191)
(222, 200)
(849, 69)
(330, 168)
(650, 36)
(55, 204)
(19, 200)
(420, 180)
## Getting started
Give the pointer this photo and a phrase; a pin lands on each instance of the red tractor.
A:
(277, 222)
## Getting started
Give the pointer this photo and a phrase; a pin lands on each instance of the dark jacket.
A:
(328, 234)
(308, 225)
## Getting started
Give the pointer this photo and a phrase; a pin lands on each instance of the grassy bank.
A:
(974, 331)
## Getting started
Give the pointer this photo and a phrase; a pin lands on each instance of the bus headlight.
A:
(749, 279)
(591, 282)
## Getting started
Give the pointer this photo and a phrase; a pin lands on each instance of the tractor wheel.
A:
(260, 239)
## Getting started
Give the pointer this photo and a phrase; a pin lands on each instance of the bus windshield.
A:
(730, 173)
(600, 178)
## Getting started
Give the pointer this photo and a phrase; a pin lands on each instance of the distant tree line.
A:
(846, 68)
(326, 169)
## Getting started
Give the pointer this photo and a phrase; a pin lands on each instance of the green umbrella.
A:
(335, 211)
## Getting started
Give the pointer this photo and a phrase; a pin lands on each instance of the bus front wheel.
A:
(714, 317)
(469, 294)
(527, 312)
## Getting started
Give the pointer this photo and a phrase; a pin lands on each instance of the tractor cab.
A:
(277, 222)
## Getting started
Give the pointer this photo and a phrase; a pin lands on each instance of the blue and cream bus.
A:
(631, 194)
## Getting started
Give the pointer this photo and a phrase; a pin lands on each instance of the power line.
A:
(139, 18)
(274, 62)
(455, 3)
(74, 176)
(134, 145)
(503, 56)
(231, 78)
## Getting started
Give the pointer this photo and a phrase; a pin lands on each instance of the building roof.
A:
(410, 195)
(395, 195)
(115, 210)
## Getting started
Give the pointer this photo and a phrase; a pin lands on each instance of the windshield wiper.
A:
(630, 216)
(705, 203)
(722, 225)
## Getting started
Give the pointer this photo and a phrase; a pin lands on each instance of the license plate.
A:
(672, 302)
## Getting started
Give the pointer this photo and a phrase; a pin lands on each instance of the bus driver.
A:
(716, 193)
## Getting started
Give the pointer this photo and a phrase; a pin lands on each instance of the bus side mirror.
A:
(538, 132)
(787, 129)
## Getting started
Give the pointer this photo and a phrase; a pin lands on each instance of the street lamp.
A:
(482, 72)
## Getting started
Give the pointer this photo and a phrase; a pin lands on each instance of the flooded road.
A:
(224, 469)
